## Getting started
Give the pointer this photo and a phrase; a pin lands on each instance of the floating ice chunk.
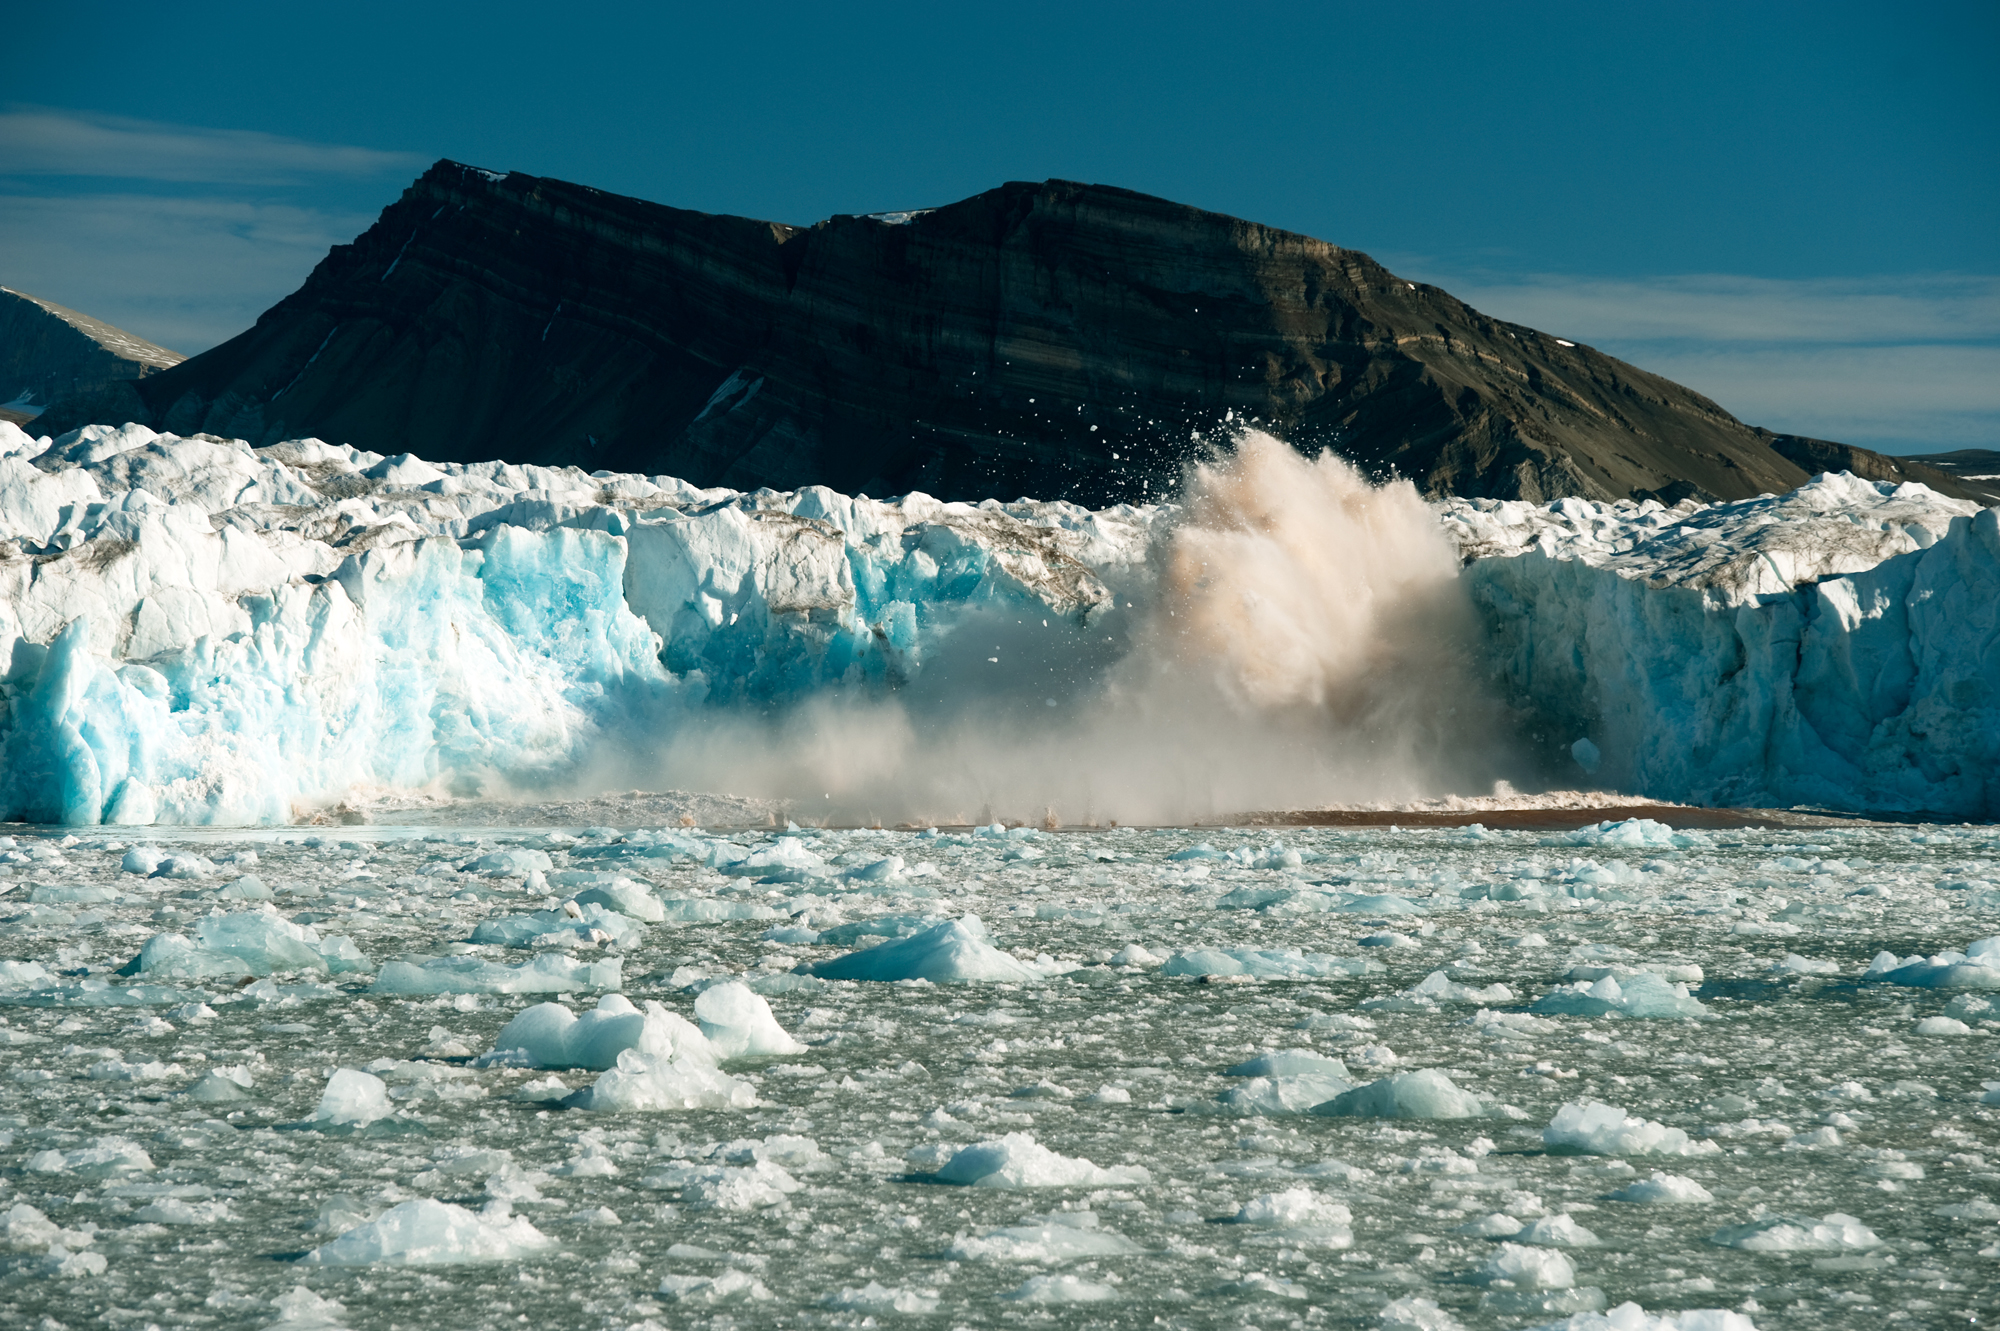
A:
(173, 956)
(1979, 1208)
(1660, 1189)
(549, 1035)
(117, 1069)
(1595, 1128)
(760, 1185)
(142, 860)
(515, 863)
(1557, 1231)
(1300, 1216)
(785, 860)
(353, 1097)
(1201, 850)
(66, 1265)
(952, 951)
(1267, 964)
(886, 926)
(182, 1211)
(73, 894)
(1290, 1063)
(1942, 1026)
(259, 942)
(732, 1286)
(1377, 904)
(24, 975)
(1411, 1313)
(247, 888)
(1637, 833)
(875, 1297)
(1425, 1093)
(1976, 1006)
(1635, 994)
(1511, 1025)
(1065, 1236)
(1297, 1093)
(1783, 1233)
(1059, 1289)
(1434, 989)
(547, 973)
(1794, 964)
(625, 897)
(580, 923)
(26, 1229)
(1978, 967)
(1523, 1267)
(643, 1082)
(433, 1233)
(1632, 1317)
(221, 1086)
(689, 908)
(1134, 955)
(105, 1158)
(299, 1309)
(1017, 1160)
(739, 1023)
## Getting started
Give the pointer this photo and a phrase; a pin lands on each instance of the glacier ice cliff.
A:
(1837, 646)
(196, 631)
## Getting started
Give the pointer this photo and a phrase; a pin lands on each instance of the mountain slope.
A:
(1055, 339)
(47, 351)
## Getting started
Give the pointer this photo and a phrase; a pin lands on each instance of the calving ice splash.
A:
(195, 631)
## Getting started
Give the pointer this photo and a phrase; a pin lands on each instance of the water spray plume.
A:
(1302, 639)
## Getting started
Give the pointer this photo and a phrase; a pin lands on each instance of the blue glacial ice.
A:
(195, 631)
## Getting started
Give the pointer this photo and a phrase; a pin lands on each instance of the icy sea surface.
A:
(1368, 1078)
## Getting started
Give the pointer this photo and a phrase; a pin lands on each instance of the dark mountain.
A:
(1054, 339)
(1976, 469)
(47, 352)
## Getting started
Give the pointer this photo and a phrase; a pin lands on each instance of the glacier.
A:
(195, 631)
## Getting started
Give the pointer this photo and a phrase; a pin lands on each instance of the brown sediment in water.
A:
(1548, 819)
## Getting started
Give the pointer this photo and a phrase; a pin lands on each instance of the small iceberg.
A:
(955, 951)
(433, 1233)
(1017, 1160)
(1425, 1093)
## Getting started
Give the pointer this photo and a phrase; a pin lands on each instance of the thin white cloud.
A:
(1904, 398)
(1943, 307)
(39, 141)
(186, 273)
(1908, 363)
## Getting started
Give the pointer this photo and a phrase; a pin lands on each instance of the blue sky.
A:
(1793, 208)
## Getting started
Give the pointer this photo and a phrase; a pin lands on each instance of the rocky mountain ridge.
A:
(1057, 339)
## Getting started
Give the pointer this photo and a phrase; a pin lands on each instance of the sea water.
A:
(1361, 1077)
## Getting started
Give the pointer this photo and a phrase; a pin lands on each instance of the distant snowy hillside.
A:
(196, 631)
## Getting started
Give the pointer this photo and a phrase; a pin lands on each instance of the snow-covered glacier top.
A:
(1834, 524)
(197, 631)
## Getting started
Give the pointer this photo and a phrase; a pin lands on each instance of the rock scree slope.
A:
(1055, 339)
